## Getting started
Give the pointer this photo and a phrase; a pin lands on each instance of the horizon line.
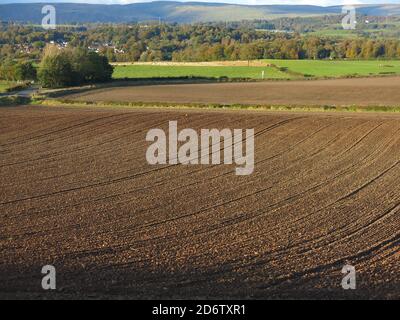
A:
(222, 2)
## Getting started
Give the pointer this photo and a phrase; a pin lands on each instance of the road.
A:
(26, 93)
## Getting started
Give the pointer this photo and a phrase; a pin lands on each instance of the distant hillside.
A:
(174, 12)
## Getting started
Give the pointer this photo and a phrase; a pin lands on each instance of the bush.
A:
(73, 67)
(17, 71)
(14, 100)
(17, 87)
(91, 67)
(7, 70)
(25, 71)
(56, 71)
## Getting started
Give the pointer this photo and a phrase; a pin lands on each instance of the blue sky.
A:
(298, 2)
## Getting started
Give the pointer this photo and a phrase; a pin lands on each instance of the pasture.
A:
(176, 71)
(281, 69)
(340, 68)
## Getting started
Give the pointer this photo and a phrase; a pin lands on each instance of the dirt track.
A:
(76, 192)
(342, 92)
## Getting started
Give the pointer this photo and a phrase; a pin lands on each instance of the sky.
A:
(251, 2)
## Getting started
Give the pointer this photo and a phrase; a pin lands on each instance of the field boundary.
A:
(202, 106)
(296, 76)
(15, 88)
(14, 100)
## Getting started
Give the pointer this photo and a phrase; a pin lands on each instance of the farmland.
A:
(369, 92)
(175, 71)
(295, 69)
(323, 68)
(199, 151)
(77, 193)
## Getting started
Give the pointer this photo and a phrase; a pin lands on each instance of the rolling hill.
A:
(174, 12)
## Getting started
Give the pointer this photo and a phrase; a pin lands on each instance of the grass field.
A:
(152, 71)
(322, 68)
(335, 33)
(314, 68)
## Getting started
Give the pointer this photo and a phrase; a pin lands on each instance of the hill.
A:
(187, 12)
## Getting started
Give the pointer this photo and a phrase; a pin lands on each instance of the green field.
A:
(322, 68)
(335, 33)
(295, 68)
(150, 71)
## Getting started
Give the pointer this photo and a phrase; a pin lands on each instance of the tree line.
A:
(17, 71)
(72, 67)
(295, 48)
(198, 42)
(60, 68)
(81, 55)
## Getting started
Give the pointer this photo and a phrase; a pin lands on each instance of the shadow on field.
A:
(123, 281)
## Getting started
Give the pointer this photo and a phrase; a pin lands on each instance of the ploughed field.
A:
(339, 92)
(76, 192)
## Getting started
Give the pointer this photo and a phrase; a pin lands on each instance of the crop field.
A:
(369, 92)
(295, 69)
(77, 193)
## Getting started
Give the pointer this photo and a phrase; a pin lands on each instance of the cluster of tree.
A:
(17, 71)
(295, 48)
(366, 25)
(202, 42)
(74, 66)
(29, 41)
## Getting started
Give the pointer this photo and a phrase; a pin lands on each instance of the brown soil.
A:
(340, 92)
(76, 192)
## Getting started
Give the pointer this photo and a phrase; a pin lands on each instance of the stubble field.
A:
(76, 192)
